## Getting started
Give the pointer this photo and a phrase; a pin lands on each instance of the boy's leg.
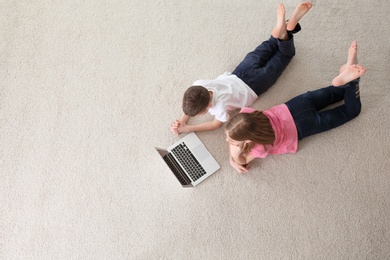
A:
(297, 15)
(261, 68)
(260, 79)
(285, 47)
(260, 76)
(258, 57)
(265, 51)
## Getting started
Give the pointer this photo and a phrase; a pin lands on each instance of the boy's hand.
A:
(174, 127)
(178, 127)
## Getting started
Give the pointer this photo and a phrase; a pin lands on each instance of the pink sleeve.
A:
(259, 151)
(247, 110)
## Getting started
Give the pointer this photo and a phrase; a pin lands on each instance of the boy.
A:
(254, 75)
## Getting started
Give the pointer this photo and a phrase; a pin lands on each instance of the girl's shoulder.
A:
(247, 110)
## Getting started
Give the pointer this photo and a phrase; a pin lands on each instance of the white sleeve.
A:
(223, 116)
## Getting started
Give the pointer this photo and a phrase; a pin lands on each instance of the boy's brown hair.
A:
(195, 100)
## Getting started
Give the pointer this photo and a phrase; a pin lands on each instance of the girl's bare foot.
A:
(348, 74)
(299, 12)
(279, 31)
(352, 56)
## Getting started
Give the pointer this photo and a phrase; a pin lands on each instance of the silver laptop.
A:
(189, 160)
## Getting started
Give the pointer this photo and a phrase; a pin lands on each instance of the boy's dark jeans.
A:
(307, 114)
(262, 67)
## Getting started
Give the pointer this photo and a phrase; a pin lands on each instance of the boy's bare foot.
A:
(352, 56)
(299, 12)
(279, 31)
(348, 74)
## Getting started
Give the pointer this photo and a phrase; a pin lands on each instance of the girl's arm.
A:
(238, 167)
(238, 156)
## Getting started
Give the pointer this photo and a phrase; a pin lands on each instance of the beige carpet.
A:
(88, 88)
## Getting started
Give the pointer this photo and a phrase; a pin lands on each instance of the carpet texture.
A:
(88, 88)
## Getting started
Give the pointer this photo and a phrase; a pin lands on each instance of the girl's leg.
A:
(321, 98)
(305, 108)
(352, 56)
(348, 74)
(339, 115)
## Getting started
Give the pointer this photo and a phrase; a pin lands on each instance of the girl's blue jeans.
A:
(262, 67)
(309, 116)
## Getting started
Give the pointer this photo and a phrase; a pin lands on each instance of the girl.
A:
(255, 134)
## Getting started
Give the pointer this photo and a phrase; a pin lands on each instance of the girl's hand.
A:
(238, 167)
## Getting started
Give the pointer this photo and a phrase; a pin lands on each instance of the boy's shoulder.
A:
(204, 82)
(219, 81)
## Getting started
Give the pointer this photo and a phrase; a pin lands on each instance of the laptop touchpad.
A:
(201, 153)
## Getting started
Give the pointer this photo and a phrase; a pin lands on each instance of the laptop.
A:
(189, 160)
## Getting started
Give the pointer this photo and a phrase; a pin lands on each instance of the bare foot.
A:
(348, 74)
(299, 12)
(352, 56)
(279, 31)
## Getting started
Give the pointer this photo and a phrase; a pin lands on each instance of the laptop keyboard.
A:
(189, 162)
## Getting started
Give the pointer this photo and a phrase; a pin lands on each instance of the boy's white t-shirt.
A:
(229, 92)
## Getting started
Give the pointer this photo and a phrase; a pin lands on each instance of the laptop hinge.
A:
(177, 170)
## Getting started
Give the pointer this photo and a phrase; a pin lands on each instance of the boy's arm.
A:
(212, 125)
(180, 126)
(184, 118)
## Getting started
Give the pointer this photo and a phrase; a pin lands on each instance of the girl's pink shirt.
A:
(286, 135)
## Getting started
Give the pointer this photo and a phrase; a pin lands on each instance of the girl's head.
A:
(251, 128)
(196, 101)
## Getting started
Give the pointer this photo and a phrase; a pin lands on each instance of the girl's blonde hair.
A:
(255, 127)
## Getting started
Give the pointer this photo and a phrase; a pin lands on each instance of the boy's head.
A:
(196, 100)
